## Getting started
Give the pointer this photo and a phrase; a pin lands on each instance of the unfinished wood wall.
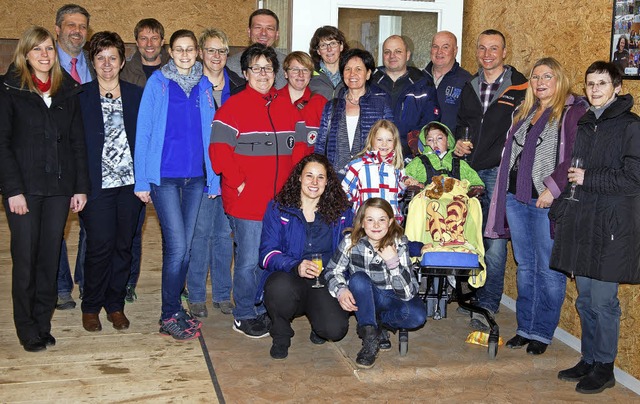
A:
(576, 32)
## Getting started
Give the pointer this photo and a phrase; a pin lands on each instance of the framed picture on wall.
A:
(625, 37)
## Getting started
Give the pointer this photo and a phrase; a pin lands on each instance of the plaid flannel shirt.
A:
(364, 258)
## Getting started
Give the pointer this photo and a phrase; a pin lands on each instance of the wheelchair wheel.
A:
(403, 342)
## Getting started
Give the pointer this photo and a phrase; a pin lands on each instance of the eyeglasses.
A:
(592, 86)
(295, 70)
(213, 51)
(544, 78)
(329, 45)
(257, 69)
(184, 50)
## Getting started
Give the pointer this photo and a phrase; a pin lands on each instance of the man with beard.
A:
(72, 24)
(151, 54)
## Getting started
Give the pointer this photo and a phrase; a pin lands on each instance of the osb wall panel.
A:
(576, 32)
(121, 16)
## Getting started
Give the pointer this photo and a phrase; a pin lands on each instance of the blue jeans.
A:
(177, 201)
(374, 303)
(599, 311)
(210, 251)
(65, 282)
(541, 290)
(246, 271)
(495, 256)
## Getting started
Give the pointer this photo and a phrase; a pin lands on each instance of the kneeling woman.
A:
(306, 217)
(371, 275)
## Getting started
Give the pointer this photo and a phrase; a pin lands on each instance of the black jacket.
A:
(42, 150)
(91, 108)
(489, 129)
(599, 236)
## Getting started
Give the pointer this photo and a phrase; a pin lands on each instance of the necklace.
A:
(351, 101)
(108, 93)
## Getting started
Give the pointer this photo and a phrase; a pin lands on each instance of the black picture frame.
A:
(625, 37)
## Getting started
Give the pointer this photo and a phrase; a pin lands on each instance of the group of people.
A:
(296, 165)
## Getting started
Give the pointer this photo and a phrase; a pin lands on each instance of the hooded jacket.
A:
(598, 236)
(416, 169)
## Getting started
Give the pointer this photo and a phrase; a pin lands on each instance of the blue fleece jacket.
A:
(284, 237)
(152, 121)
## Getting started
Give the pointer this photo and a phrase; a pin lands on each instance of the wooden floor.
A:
(139, 365)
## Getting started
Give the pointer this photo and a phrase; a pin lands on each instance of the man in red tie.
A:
(72, 24)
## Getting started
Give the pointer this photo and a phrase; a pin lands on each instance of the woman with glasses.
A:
(346, 120)
(596, 236)
(172, 167)
(212, 247)
(252, 146)
(298, 68)
(325, 48)
(532, 174)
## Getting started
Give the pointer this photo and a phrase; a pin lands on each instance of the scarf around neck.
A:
(185, 81)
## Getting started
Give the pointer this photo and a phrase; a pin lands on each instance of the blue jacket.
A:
(152, 122)
(374, 105)
(449, 91)
(414, 106)
(91, 109)
(283, 239)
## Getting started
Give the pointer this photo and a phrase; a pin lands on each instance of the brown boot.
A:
(119, 320)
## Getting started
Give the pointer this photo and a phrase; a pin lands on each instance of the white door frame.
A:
(308, 15)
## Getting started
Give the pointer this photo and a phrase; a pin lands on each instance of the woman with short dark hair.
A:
(596, 232)
(325, 48)
(109, 113)
(346, 120)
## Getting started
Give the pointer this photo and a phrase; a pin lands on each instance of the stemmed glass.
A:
(317, 259)
(576, 162)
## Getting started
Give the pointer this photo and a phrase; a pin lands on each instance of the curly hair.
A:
(333, 201)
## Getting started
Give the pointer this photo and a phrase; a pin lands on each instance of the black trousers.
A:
(110, 221)
(287, 296)
(35, 251)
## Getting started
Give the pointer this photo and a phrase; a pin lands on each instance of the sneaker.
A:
(65, 302)
(252, 328)
(179, 327)
(198, 309)
(265, 319)
(479, 322)
(279, 352)
(131, 294)
(225, 307)
(384, 343)
(316, 339)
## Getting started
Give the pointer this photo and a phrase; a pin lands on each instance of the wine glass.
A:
(317, 259)
(576, 162)
(465, 138)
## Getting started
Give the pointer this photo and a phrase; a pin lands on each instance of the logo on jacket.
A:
(291, 141)
(312, 136)
(452, 94)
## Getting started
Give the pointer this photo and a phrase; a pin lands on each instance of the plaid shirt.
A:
(364, 258)
(488, 90)
(370, 176)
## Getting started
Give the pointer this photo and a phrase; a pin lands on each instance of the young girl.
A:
(378, 170)
(371, 275)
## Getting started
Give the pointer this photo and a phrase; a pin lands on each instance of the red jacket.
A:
(310, 107)
(244, 149)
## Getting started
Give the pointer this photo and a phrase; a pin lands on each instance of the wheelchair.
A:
(449, 224)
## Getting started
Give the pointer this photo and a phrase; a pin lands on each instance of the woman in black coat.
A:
(43, 171)
(109, 112)
(597, 237)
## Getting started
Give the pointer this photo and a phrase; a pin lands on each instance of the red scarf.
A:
(43, 87)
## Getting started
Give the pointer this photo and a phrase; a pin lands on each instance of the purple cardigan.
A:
(555, 183)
